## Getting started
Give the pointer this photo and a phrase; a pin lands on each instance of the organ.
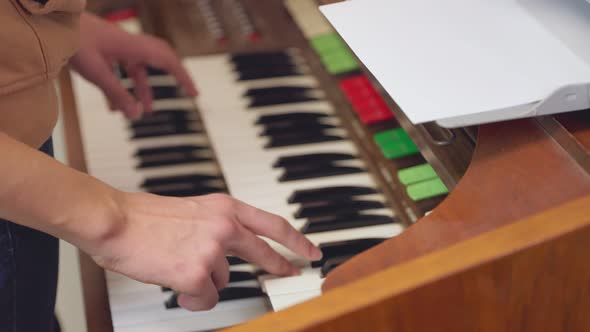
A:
(421, 227)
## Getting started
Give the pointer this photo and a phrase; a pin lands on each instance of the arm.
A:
(176, 242)
(41, 193)
(103, 44)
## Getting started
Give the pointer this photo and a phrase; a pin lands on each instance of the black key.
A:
(151, 71)
(233, 260)
(235, 276)
(165, 130)
(196, 190)
(312, 130)
(169, 149)
(295, 129)
(333, 263)
(167, 180)
(277, 90)
(345, 248)
(120, 72)
(172, 302)
(166, 289)
(226, 294)
(316, 164)
(155, 119)
(311, 158)
(162, 115)
(328, 170)
(335, 223)
(300, 140)
(251, 70)
(256, 74)
(277, 63)
(237, 293)
(165, 92)
(329, 193)
(171, 158)
(293, 117)
(335, 208)
(161, 92)
(260, 58)
(280, 100)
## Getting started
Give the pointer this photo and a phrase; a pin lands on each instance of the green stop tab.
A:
(328, 43)
(426, 189)
(415, 174)
(395, 143)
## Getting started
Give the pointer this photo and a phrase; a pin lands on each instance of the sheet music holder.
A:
(464, 62)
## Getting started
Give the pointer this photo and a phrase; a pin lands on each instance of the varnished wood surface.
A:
(529, 276)
(572, 132)
(578, 123)
(517, 170)
(96, 304)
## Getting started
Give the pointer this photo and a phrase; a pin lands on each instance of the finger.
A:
(118, 96)
(160, 55)
(254, 250)
(220, 272)
(142, 87)
(276, 228)
(206, 300)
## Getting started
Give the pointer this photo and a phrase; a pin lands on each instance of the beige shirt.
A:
(37, 41)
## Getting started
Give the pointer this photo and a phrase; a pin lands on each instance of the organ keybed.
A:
(288, 120)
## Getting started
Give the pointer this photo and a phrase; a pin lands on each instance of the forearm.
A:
(41, 193)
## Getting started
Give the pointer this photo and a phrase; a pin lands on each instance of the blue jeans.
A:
(28, 276)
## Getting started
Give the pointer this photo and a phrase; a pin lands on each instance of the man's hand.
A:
(182, 243)
(102, 45)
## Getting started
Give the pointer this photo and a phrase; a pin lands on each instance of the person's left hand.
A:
(102, 45)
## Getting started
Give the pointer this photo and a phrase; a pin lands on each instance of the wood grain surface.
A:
(517, 169)
(532, 275)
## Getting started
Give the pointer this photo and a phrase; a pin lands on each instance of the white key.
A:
(289, 291)
(180, 320)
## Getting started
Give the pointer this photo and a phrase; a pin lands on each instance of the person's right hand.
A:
(181, 243)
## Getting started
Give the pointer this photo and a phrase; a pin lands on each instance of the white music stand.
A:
(464, 62)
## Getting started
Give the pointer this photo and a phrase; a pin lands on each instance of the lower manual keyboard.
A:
(321, 187)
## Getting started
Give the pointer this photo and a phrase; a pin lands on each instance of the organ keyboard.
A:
(309, 136)
(280, 171)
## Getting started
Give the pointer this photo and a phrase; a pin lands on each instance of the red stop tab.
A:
(351, 84)
(365, 100)
(121, 15)
(360, 105)
(358, 93)
(376, 114)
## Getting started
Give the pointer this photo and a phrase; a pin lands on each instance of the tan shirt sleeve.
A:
(37, 41)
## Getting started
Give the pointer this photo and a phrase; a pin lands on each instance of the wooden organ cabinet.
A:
(488, 227)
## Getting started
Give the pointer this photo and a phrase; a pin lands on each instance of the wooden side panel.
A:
(517, 170)
(543, 289)
(578, 123)
(98, 315)
(529, 276)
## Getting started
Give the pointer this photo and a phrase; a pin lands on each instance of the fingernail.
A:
(295, 271)
(134, 111)
(316, 253)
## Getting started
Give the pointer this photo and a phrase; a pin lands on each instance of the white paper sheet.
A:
(455, 58)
